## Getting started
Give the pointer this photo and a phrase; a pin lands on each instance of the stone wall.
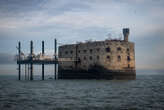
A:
(110, 54)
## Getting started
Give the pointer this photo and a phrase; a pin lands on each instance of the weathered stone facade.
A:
(104, 59)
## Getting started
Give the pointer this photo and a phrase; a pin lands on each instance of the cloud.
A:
(76, 20)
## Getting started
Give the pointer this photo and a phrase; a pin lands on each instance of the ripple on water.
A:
(146, 92)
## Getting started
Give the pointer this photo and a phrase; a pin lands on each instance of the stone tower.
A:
(126, 34)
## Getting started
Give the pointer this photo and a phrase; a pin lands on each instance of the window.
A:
(85, 51)
(66, 52)
(107, 49)
(128, 58)
(90, 50)
(71, 51)
(90, 57)
(98, 57)
(119, 49)
(108, 57)
(79, 60)
(127, 49)
(98, 49)
(85, 58)
(79, 51)
(119, 58)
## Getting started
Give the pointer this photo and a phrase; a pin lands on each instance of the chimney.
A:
(126, 34)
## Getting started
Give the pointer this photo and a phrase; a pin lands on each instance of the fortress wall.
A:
(92, 53)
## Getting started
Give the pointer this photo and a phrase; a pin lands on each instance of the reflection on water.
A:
(146, 92)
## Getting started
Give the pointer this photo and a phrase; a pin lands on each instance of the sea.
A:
(144, 93)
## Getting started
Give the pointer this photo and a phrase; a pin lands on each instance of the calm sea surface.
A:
(144, 93)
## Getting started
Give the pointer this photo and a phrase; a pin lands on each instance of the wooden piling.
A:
(31, 64)
(28, 72)
(55, 49)
(25, 72)
(31, 71)
(42, 63)
(19, 65)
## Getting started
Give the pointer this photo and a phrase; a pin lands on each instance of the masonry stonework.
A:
(109, 59)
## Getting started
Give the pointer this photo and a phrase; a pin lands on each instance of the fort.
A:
(109, 59)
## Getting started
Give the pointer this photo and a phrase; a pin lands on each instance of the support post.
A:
(42, 63)
(28, 72)
(55, 49)
(19, 65)
(31, 71)
(25, 72)
(31, 64)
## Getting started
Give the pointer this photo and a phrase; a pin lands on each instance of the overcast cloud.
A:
(78, 20)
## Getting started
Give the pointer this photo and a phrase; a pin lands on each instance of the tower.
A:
(126, 34)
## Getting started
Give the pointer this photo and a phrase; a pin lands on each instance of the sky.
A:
(72, 21)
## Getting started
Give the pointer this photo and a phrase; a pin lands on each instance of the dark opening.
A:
(119, 58)
(108, 57)
(107, 49)
(128, 58)
(79, 60)
(119, 49)
(90, 57)
(98, 49)
(66, 52)
(98, 57)
(71, 51)
(90, 50)
(85, 51)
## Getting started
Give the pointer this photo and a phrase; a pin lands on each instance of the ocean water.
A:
(144, 93)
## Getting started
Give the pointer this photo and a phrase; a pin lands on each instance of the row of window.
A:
(107, 57)
(98, 49)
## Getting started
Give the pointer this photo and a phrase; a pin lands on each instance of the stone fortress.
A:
(109, 59)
